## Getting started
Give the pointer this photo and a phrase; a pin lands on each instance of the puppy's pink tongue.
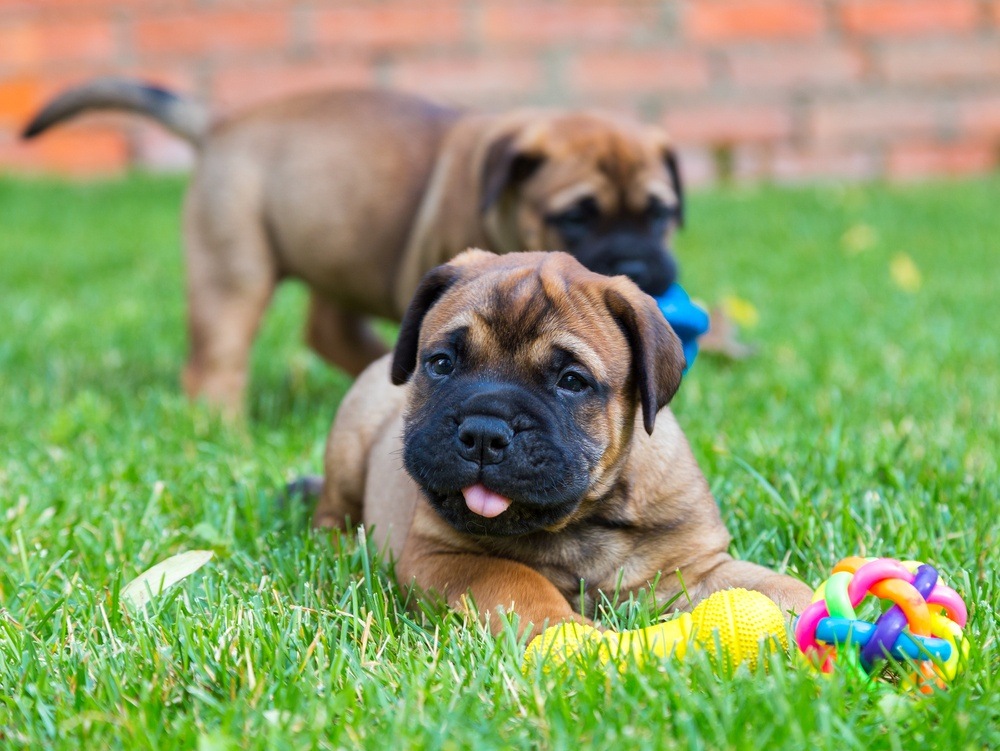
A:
(484, 502)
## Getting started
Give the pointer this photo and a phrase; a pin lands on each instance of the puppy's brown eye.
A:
(440, 365)
(573, 382)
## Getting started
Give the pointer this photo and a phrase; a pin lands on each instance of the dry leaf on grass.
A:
(157, 579)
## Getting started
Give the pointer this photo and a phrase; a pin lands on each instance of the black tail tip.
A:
(32, 129)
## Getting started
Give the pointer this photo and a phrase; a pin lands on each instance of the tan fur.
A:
(648, 512)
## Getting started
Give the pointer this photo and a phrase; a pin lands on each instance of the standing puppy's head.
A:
(607, 191)
(526, 375)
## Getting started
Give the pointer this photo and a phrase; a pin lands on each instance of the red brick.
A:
(34, 42)
(245, 4)
(242, 85)
(727, 20)
(464, 79)
(908, 160)
(797, 164)
(20, 44)
(892, 17)
(939, 61)
(20, 98)
(788, 163)
(212, 32)
(90, 146)
(782, 67)
(519, 22)
(179, 77)
(79, 150)
(749, 163)
(727, 123)
(697, 165)
(390, 25)
(617, 103)
(624, 71)
(48, 8)
(980, 116)
(619, 55)
(22, 95)
(879, 118)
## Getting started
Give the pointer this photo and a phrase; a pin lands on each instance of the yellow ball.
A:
(563, 643)
(660, 641)
(739, 619)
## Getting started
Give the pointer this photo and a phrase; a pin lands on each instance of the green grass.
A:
(867, 424)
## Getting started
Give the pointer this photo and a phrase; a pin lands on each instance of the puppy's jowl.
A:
(359, 194)
(527, 400)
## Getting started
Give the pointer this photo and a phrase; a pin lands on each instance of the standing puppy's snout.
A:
(653, 273)
(634, 269)
(484, 439)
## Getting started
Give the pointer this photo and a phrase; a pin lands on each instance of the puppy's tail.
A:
(180, 115)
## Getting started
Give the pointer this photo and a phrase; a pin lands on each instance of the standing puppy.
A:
(358, 194)
(527, 402)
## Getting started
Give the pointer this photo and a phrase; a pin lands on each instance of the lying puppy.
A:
(358, 194)
(526, 428)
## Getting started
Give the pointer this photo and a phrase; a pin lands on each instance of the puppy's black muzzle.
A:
(641, 258)
(506, 437)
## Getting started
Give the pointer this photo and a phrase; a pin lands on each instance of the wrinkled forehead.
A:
(526, 321)
(621, 168)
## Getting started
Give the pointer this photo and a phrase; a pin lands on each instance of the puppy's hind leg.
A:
(334, 508)
(231, 277)
(341, 338)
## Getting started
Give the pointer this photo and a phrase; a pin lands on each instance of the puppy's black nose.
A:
(484, 439)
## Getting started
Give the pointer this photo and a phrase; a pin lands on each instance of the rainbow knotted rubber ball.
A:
(924, 623)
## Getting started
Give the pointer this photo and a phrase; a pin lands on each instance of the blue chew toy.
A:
(688, 320)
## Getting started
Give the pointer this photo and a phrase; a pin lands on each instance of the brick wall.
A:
(750, 89)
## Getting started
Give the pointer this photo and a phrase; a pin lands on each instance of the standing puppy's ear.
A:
(657, 356)
(505, 167)
(673, 169)
(434, 284)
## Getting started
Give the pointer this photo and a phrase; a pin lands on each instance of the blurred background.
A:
(750, 89)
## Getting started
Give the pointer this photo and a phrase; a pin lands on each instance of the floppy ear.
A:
(673, 169)
(505, 167)
(657, 356)
(434, 284)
